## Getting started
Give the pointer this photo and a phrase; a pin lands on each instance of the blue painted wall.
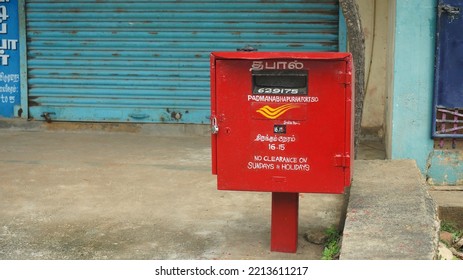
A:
(9, 58)
(413, 80)
(445, 167)
(412, 90)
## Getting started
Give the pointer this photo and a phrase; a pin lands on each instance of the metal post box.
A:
(282, 123)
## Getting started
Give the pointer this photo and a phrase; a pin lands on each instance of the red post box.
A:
(282, 123)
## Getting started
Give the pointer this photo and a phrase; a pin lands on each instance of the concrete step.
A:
(155, 129)
(390, 214)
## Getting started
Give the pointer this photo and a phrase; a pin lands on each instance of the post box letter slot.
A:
(279, 82)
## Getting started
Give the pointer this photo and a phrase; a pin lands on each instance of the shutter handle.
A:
(139, 116)
(248, 48)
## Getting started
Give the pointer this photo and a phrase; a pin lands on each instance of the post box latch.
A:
(344, 77)
(342, 160)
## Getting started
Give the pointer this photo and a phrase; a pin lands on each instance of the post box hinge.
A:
(342, 160)
(345, 78)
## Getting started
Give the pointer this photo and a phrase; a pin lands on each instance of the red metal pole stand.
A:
(285, 211)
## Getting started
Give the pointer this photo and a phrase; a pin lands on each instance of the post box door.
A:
(278, 135)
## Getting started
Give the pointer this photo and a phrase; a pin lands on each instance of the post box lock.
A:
(214, 126)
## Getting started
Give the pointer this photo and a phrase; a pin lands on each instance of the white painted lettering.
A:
(295, 167)
(257, 65)
(282, 99)
(273, 65)
(260, 165)
(3, 13)
(279, 162)
(3, 58)
(9, 78)
(8, 89)
(271, 139)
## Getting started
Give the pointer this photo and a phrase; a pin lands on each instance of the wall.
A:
(400, 48)
(412, 91)
(375, 27)
(412, 81)
(10, 94)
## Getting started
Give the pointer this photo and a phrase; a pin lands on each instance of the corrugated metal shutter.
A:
(148, 61)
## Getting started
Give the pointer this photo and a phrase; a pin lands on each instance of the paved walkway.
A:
(118, 195)
(95, 191)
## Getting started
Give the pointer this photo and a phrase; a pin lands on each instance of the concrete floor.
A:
(119, 195)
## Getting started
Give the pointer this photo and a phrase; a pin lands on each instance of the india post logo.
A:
(273, 113)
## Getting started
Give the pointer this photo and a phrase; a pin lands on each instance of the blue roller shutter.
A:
(148, 61)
